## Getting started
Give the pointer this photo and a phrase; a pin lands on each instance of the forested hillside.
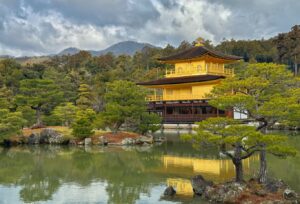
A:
(283, 48)
(38, 88)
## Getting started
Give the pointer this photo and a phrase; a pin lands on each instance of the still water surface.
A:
(52, 174)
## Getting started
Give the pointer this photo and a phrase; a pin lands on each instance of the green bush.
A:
(82, 128)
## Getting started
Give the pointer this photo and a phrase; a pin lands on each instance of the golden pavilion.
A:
(180, 97)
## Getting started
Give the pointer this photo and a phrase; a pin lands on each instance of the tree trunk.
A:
(239, 174)
(237, 161)
(262, 177)
(296, 69)
(116, 127)
(38, 116)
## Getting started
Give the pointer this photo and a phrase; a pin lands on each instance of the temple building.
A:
(180, 97)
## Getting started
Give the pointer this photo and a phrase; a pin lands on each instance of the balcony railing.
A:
(154, 98)
(188, 117)
(210, 68)
(174, 97)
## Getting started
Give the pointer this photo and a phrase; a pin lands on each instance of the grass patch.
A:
(65, 131)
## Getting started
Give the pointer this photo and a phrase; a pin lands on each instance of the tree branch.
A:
(265, 124)
(227, 154)
(252, 147)
(249, 154)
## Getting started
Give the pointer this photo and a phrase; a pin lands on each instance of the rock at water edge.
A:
(169, 191)
(33, 139)
(103, 141)
(128, 141)
(87, 141)
(199, 184)
(290, 195)
(51, 136)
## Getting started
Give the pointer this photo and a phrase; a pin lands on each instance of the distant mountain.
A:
(69, 51)
(5, 56)
(125, 47)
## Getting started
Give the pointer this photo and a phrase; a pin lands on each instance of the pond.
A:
(54, 174)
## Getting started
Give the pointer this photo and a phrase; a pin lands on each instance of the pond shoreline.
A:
(91, 168)
(53, 136)
(190, 126)
(250, 192)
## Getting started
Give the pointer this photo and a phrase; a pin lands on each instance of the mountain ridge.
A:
(123, 47)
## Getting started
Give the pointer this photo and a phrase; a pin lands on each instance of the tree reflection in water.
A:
(127, 175)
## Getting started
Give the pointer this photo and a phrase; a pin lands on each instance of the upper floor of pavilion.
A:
(199, 60)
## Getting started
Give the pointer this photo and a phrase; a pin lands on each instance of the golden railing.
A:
(187, 71)
(173, 97)
(154, 98)
(209, 68)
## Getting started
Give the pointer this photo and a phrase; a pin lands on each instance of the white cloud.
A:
(43, 27)
(186, 21)
(39, 34)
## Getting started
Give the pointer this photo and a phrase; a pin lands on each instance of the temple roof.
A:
(196, 52)
(181, 80)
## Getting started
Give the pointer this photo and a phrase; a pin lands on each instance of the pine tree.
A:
(82, 127)
(85, 97)
(66, 113)
(125, 102)
(237, 141)
(39, 95)
(6, 98)
(11, 123)
(266, 93)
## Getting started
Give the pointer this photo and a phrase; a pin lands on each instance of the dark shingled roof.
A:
(196, 52)
(181, 80)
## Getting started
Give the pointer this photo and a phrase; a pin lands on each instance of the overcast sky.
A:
(39, 27)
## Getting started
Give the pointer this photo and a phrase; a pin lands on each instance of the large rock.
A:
(33, 139)
(290, 195)
(145, 140)
(159, 139)
(274, 185)
(169, 191)
(128, 141)
(225, 193)
(51, 136)
(87, 141)
(72, 142)
(103, 141)
(199, 184)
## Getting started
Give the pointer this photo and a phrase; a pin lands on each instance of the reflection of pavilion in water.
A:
(213, 169)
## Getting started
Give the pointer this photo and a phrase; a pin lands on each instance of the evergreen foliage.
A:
(125, 102)
(237, 141)
(149, 122)
(6, 98)
(86, 81)
(65, 113)
(82, 127)
(10, 123)
(288, 46)
(85, 97)
(38, 94)
(267, 93)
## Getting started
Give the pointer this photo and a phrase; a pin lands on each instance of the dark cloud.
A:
(100, 13)
(29, 27)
